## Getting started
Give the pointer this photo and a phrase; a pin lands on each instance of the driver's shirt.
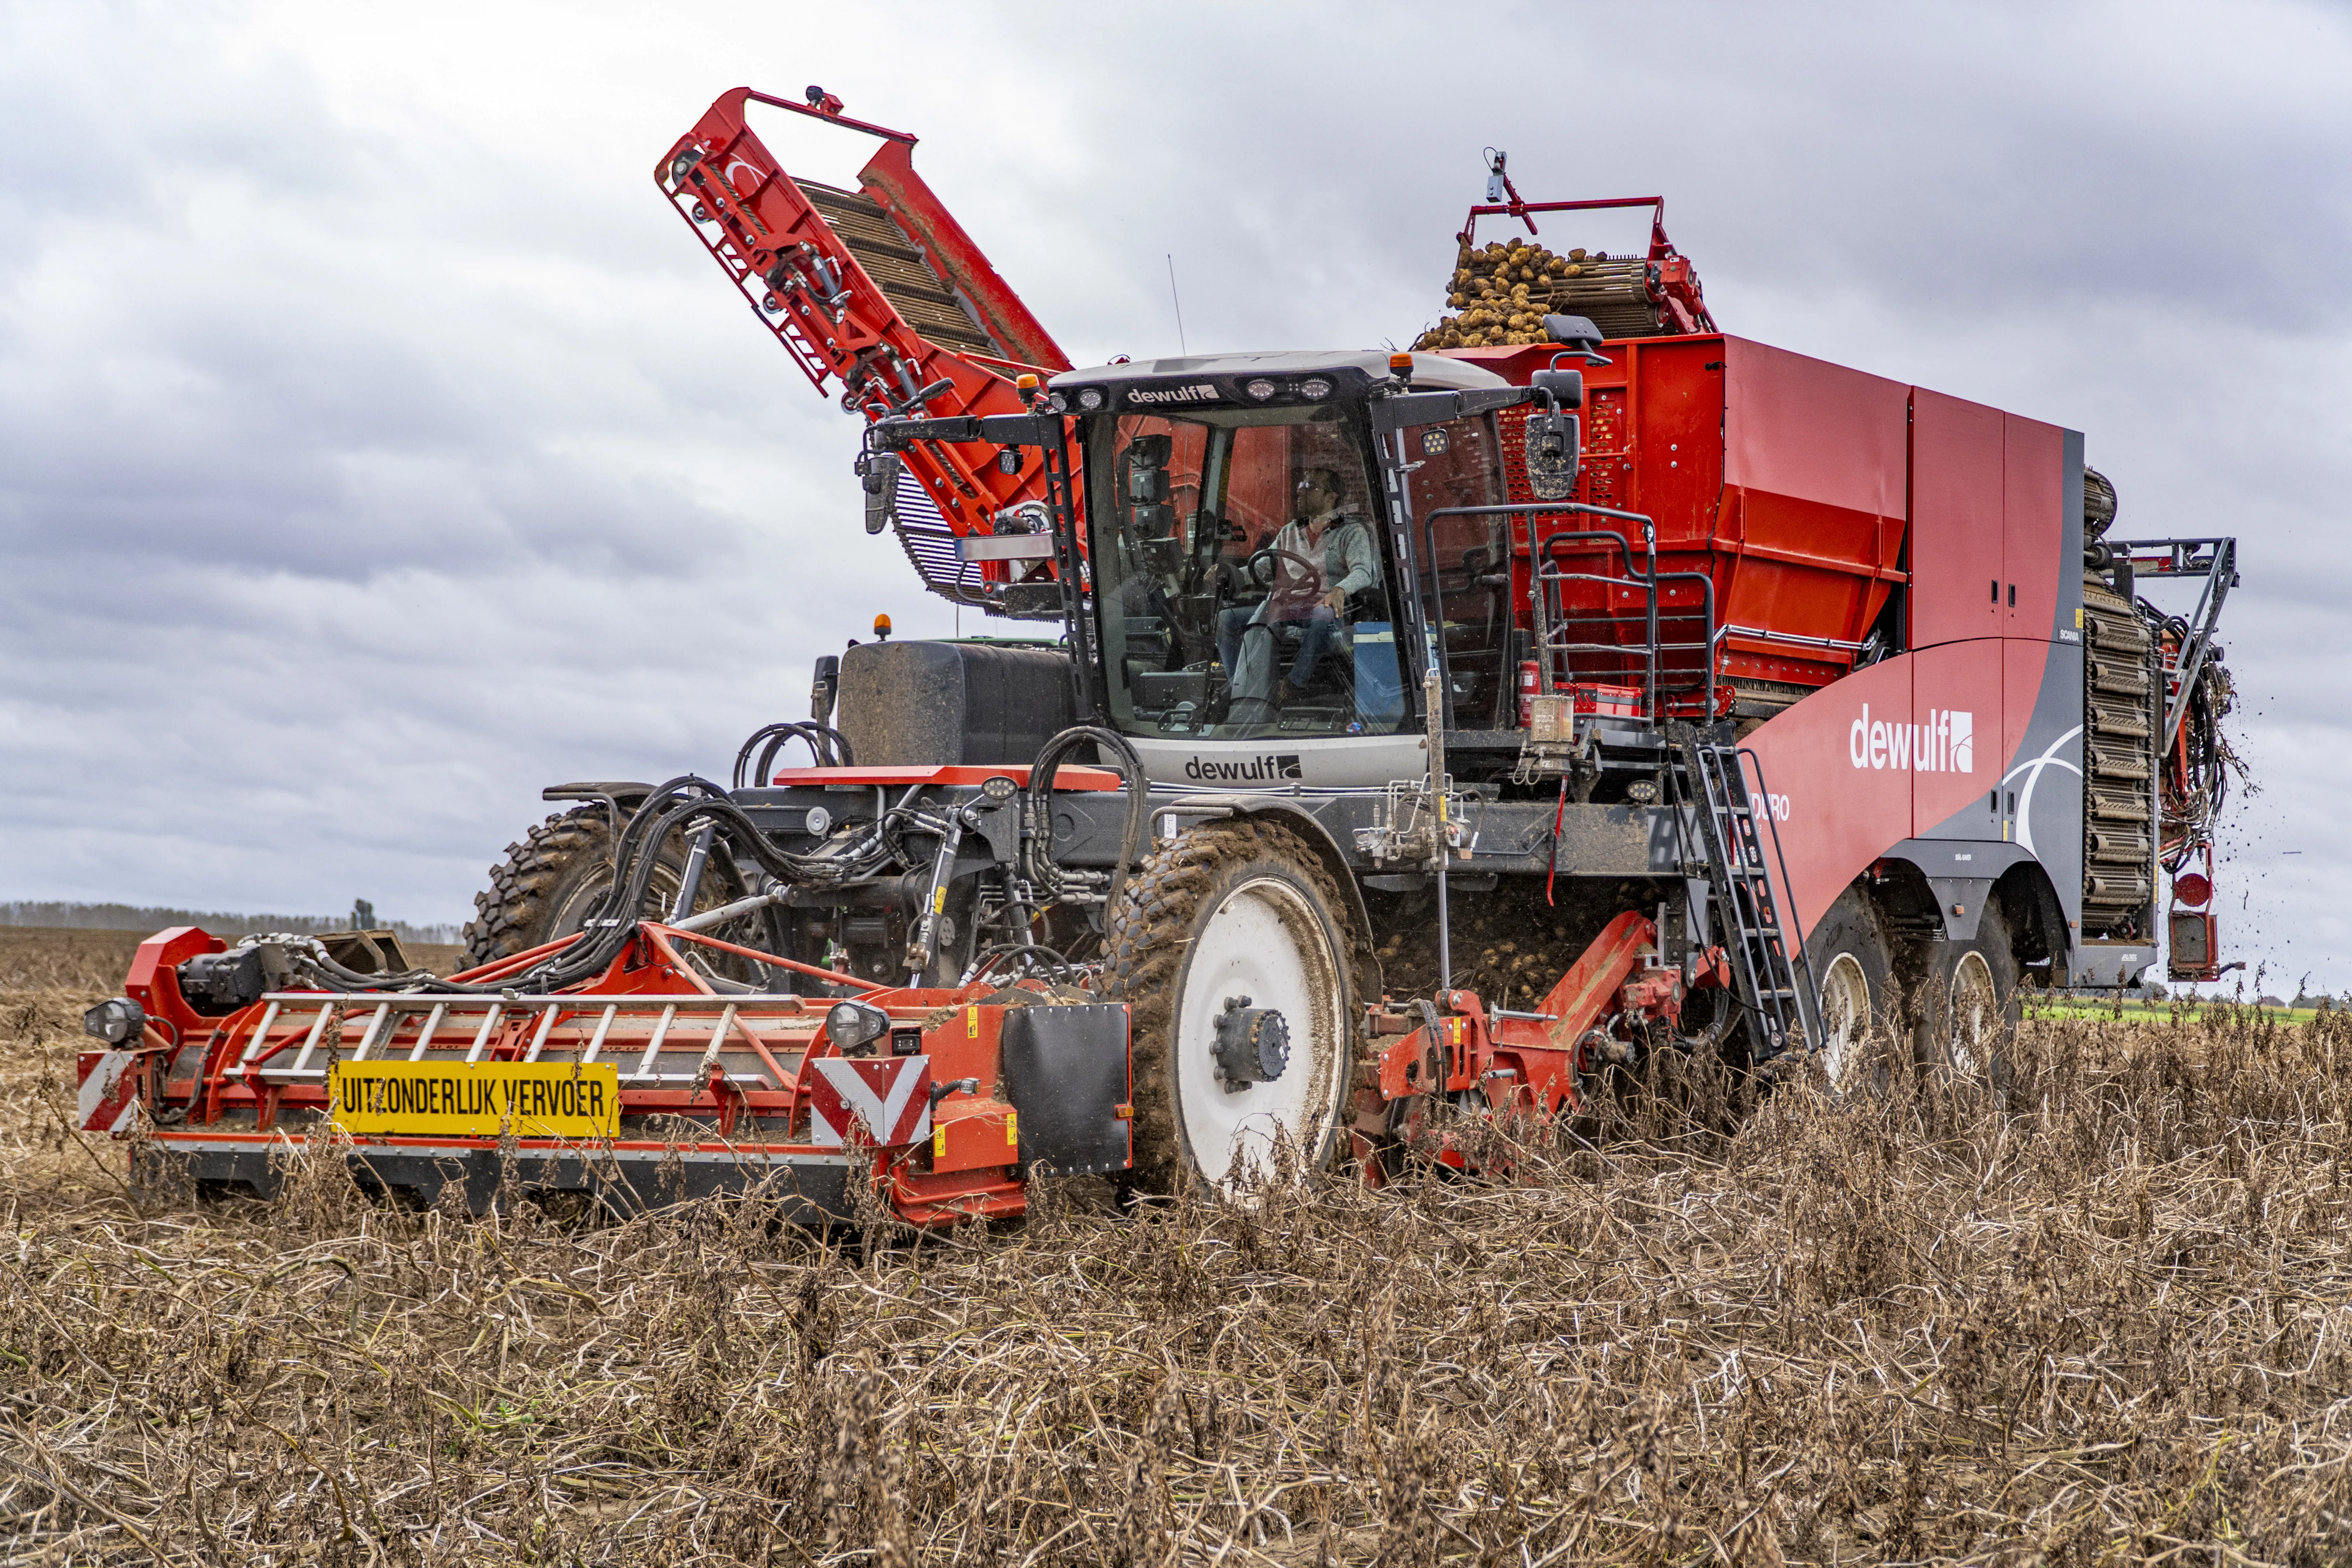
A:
(1351, 562)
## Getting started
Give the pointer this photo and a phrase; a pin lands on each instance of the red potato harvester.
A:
(1744, 688)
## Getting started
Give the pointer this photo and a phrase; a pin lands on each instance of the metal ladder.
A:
(1764, 971)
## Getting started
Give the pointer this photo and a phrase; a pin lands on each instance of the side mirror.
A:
(1578, 336)
(879, 471)
(1552, 455)
(821, 688)
(1567, 386)
(1574, 332)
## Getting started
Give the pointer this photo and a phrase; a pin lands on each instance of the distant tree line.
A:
(127, 917)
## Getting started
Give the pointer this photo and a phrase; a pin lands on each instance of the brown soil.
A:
(1511, 944)
(2102, 1319)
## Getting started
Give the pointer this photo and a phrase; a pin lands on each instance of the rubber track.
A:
(510, 912)
(1146, 952)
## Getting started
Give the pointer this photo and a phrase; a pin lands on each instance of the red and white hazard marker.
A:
(106, 1089)
(889, 1097)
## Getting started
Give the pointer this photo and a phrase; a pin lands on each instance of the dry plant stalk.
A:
(2101, 1317)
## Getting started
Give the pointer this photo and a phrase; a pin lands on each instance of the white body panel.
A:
(1276, 764)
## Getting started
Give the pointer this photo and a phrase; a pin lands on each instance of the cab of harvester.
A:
(1252, 575)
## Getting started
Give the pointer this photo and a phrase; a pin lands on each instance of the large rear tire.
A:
(1230, 920)
(1848, 953)
(1973, 1006)
(549, 880)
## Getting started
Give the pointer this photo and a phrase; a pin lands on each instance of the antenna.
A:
(1178, 298)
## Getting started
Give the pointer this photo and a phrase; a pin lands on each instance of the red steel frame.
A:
(1676, 283)
(966, 1169)
(1526, 1065)
(806, 285)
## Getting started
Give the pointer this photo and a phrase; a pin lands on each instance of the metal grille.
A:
(2119, 760)
(928, 540)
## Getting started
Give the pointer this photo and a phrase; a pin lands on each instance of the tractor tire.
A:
(1228, 911)
(1850, 957)
(545, 886)
(1972, 1005)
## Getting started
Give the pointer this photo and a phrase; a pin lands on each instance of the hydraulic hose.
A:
(636, 855)
(1036, 955)
(1040, 808)
(635, 859)
(829, 746)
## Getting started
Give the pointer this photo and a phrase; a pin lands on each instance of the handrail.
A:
(1542, 571)
(1546, 549)
(1437, 589)
(1659, 613)
(1760, 635)
(1523, 509)
(831, 116)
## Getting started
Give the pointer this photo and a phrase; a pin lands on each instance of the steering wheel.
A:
(1312, 572)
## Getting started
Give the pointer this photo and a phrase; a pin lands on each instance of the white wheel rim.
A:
(1264, 942)
(1974, 1013)
(1845, 1017)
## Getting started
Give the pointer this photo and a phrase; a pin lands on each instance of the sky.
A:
(376, 447)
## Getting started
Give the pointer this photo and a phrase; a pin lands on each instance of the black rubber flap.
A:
(1065, 1073)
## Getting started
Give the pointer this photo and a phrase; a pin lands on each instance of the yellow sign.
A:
(479, 1099)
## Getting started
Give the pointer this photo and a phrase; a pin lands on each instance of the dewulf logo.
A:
(1256, 770)
(1946, 744)
(1202, 394)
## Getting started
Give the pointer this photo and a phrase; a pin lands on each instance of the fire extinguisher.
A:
(1529, 684)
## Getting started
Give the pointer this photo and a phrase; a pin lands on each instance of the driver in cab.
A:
(1321, 558)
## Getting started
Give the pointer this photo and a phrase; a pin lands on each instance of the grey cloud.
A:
(374, 449)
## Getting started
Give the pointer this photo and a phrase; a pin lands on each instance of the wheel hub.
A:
(1253, 1043)
(1261, 946)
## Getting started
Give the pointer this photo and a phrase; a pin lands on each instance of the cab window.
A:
(1466, 572)
(1244, 586)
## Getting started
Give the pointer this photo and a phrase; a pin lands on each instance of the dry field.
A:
(2100, 1319)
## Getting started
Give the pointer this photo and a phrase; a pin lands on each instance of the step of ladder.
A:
(1764, 972)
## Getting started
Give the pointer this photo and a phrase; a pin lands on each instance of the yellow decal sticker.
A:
(971, 1022)
(2078, 617)
(1012, 1130)
(939, 1142)
(939, 900)
(477, 1100)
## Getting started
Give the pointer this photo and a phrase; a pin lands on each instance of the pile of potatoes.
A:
(1503, 290)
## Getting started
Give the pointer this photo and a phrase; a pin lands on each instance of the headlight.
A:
(852, 1026)
(1058, 402)
(1091, 399)
(1260, 389)
(1315, 389)
(117, 1021)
